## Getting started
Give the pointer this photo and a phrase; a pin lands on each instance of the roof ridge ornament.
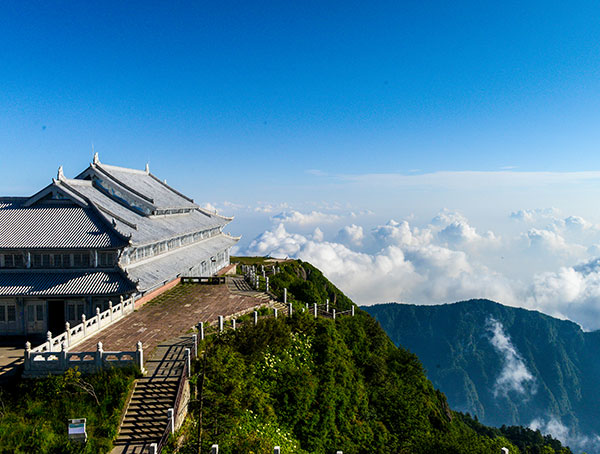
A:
(60, 176)
(96, 158)
(147, 167)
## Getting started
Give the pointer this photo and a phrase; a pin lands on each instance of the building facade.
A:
(109, 232)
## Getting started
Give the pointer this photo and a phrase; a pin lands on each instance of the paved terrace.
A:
(172, 314)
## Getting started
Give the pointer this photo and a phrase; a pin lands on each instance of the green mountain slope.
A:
(318, 385)
(505, 365)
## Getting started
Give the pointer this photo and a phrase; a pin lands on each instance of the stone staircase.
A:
(146, 415)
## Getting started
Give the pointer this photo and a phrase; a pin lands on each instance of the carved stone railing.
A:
(40, 364)
(88, 327)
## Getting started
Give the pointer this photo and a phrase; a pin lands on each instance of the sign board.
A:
(77, 430)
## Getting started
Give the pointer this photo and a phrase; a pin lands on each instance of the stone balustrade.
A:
(88, 327)
(40, 364)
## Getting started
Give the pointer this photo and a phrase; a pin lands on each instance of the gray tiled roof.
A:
(147, 229)
(64, 283)
(63, 226)
(162, 195)
(166, 267)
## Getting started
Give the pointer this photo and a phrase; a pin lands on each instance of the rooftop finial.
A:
(60, 175)
(96, 158)
(147, 167)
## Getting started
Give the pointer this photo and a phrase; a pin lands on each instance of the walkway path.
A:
(172, 314)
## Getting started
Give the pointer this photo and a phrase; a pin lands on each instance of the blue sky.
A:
(461, 131)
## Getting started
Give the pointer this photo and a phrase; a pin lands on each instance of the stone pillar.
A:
(98, 317)
(220, 323)
(290, 310)
(188, 360)
(195, 340)
(27, 355)
(233, 324)
(63, 356)
(139, 353)
(68, 331)
(334, 314)
(275, 312)
(352, 310)
(255, 318)
(201, 330)
(327, 305)
(171, 419)
(99, 352)
(267, 284)
(315, 309)
(84, 328)
(110, 308)
(214, 449)
(285, 296)
(49, 340)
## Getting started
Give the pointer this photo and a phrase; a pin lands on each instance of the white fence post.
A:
(315, 309)
(276, 450)
(171, 418)
(285, 296)
(68, 331)
(290, 309)
(201, 330)
(275, 312)
(334, 314)
(220, 323)
(188, 359)
(99, 352)
(233, 323)
(352, 309)
(139, 353)
(255, 317)
(195, 339)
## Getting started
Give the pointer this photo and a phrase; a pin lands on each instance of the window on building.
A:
(13, 260)
(81, 259)
(107, 258)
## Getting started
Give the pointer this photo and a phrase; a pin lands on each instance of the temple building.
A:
(109, 232)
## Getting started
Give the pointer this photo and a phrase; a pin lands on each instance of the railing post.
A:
(49, 340)
(285, 296)
(315, 309)
(290, 310)
(195, 339)
(139, 353)
(99, 352)
(68, 331)
(275, 312)
(188, 359)
(255, 318)
(171, 419)
(110, 308)
(27, 355)
(214, 449)
(63, 356)
(220, 323)
(98, 317)
(84, 328)
(352, 309)
(334, 314)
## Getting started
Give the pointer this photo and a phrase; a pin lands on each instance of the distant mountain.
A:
(506, 365)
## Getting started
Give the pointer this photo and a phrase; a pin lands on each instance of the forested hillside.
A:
(506, 365)
(318, 385)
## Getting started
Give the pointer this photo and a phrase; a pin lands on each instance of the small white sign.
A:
(77, 430)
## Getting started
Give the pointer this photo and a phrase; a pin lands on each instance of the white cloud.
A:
(534, 214)
(318, 235)
(351, 235)
(296, 217)
(576, 441)
(209, 207)
(514, 376)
